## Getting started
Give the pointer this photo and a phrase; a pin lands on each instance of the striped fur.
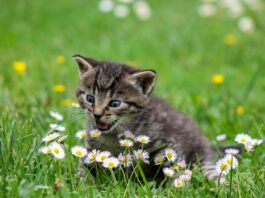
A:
(140, 112)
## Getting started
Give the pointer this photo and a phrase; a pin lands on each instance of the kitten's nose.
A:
(97, 117)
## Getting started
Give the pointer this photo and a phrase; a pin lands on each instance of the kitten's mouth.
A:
(104, 126)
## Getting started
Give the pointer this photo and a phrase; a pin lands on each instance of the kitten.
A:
(117, 97)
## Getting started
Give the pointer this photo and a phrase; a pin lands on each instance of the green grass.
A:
(185, 49)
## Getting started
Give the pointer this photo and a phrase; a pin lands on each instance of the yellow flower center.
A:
(103, 157)
(79, 152)
(179, 183)
(175, 167)
(83, 135)
(223, 166)
(94, 155)
(160, 160)
(169, 155)
(229, 162)
(94, 135)
(111, 164)
(248, 148)
(126, 144)
(56, 150)
(140, 154)
(243, 140)
(49, 150)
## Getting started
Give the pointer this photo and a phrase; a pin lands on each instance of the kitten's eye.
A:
(114, 103)
(90, 99)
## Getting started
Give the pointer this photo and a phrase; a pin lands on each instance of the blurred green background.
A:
(186, 42)
(185, 47)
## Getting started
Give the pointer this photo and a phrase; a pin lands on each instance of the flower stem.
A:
(218, 185)
(231, 177)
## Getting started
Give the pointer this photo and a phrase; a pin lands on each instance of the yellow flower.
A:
(218, 79)
(59, 88)
(60, 59)
(240, 110)
(20, 67)
(230, 39)
(132, 63)
(66, 102)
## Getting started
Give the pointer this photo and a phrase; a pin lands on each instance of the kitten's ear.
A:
(84, 64)
(144, 81)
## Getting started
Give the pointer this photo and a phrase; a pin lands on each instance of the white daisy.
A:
(126, 1)
(249, 146)
(50, 137)
(102, 156)
(82, 134)
(57, 127)
(242, 138)
(256, 142)
(231, 161)
(141, 154)
(234, 7)
(79, 151)
(246, 24)
(222, 167)
(142, 10)
(143, 139)
(159, 159)
(232, 151)
(56, 115)
(61, 139)
(111, 162)
(178, 183)
(57, 150)
(188, 172)
(169, 172)
(125, 160)
(95, 133)
(185, 177)
(46, 149)
(91, 156)
(121, 11)
(170, 155)
(207, 10)
(254, 4)
(105, 5)
(181, 164)
(126, 143)
(129, 134)
(75, 105)
(221, 137)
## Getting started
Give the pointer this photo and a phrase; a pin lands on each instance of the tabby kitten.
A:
(117, 97)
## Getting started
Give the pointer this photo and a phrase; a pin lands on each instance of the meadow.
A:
(207, 67)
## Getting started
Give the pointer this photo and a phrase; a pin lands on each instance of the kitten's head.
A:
(111, 93)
